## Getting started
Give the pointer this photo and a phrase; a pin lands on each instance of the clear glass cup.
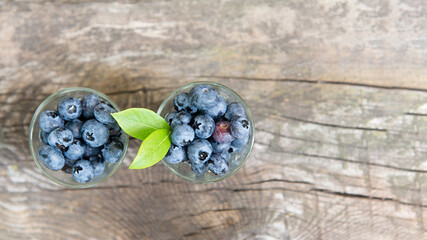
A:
(60, 177)
(183, 170)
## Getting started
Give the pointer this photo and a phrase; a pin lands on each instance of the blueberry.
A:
(218, 164)
(233, 149)
(239, 143)
(181, 118)
(219, 147)
(91, 151)
(203, 126)
(75, 126)
(222, 132)
(83, 171)
(60, 138)
(199, 151)
(199, 169)
(175, 154)
(226, 156)
(98, 165)
(175, 122)
(103, 112)
(184, 117)
(89, 103)
(240, 127)
(69, 108)
(182, 103)
(203, 97)
(44, 136)
(112, 151)
(218, 110)
(182, 135)
(50, 120)
(51, 157)
(68, 166)
(170, 117)
(234, 109)
(75, 150)
(94, 133)
(113, 128)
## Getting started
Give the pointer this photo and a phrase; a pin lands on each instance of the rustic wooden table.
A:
(338, 91)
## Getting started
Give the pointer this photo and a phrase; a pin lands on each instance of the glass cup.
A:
(60, 177)
(183, 170)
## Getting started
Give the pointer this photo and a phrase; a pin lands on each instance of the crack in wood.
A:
(280, 180)
(317, 82)
(352, 195)
(416, 114)
(312, 191)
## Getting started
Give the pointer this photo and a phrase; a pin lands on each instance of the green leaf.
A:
(152, 149)
(140, 122)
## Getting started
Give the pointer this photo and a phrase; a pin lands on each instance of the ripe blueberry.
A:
(218, 110)
(69, 108)
(182, 103)
(182, 135)
(203, 97)
(113, 128)
(83, 171)
(181, 118)
(102, 113)
(203, 126)
(217, 164)
(89, 103)
(199, 151)
(112, 151)
(170, 117)
(50, 120)
(175, 154)
(94, 133)
(60, 138)
(51, 157)
(75, 150)
(98, 165)
(44, 136)
(240, 127)
(234, 109)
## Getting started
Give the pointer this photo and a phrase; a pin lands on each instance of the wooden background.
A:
(339, 95)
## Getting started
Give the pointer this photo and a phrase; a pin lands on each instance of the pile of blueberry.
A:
(80, 137)
(206, 131)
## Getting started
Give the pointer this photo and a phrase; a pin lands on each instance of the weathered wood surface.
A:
(338, 91)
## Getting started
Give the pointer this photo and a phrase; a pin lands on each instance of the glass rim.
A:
(34, 152)
(249, 116)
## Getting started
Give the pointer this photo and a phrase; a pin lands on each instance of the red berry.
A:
(222, 133)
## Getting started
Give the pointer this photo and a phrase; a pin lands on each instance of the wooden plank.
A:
(377, 43)
(337, 90)
(305, 179)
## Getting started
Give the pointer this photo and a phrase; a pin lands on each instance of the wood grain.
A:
(337, 89)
